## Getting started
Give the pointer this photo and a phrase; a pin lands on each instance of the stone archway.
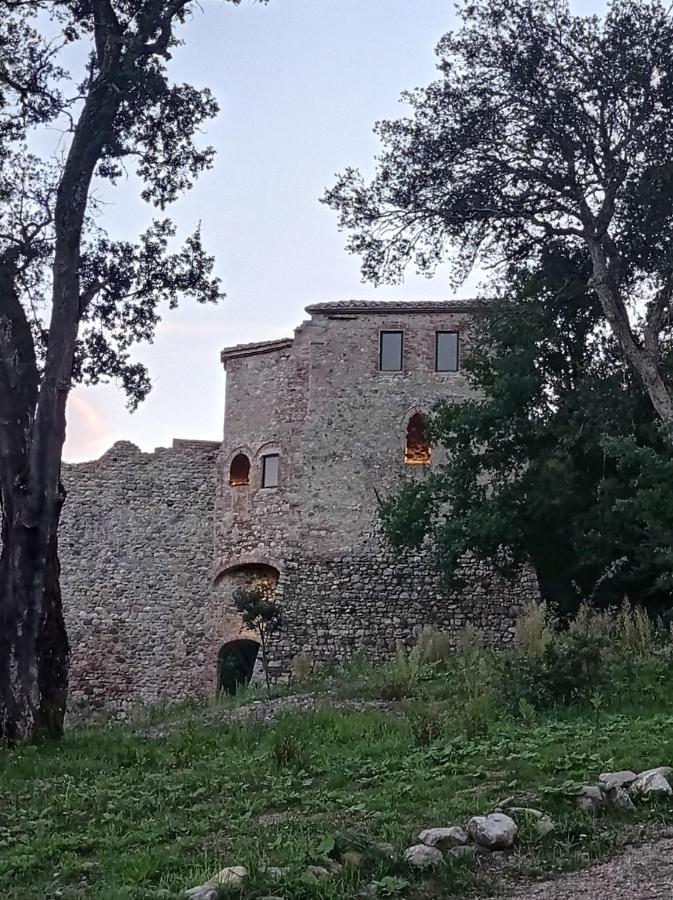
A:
(235, 664)
(237, 659)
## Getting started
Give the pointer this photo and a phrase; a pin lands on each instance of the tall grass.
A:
(601, 659)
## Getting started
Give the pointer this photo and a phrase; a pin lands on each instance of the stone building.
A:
(318, 429)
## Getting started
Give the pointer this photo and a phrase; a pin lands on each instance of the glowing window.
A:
(418, 451)
(239, 471)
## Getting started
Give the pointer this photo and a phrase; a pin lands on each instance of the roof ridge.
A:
(392, 305)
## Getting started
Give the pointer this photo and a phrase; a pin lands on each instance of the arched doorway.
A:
(237, 656)
(235, 664)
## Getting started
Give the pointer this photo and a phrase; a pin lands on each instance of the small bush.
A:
(635, 631)
(424, 725)
(398, 678)
(302, 667)
(287, 752)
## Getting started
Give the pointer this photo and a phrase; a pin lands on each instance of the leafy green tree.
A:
(261, 614)
(73, 302)
(542, 125)
(557, 459)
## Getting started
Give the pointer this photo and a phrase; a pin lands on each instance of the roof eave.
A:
(388, 308)
(242, 350)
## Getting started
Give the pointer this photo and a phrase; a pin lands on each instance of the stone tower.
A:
(319, 428)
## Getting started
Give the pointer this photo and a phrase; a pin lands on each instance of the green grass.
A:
(107, 814)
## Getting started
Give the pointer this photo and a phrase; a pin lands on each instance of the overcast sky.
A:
(300, 84)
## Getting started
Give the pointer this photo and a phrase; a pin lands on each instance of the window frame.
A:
(382, 333)
(439, 332)
(265, 457)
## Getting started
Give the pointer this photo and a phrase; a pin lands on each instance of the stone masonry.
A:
(339, 425)
(153, 545)
(136, 553)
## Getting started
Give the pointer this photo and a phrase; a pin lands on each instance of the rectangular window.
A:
(446, 351)
(270, 468)
(391, 350)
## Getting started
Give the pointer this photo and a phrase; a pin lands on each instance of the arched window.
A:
(239, 471)
(417, 451)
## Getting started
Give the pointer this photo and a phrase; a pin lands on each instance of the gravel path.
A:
(640, 873)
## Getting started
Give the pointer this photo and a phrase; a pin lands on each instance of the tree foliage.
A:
(556, 459)
(73, 300)
(151, 128)
(260, 612)
(542, 125)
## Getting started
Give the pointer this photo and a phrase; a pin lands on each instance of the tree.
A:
(556, 459)
(261, 613)
(542, 125)
(73, 301)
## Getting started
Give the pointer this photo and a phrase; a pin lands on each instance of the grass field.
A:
(109, 814)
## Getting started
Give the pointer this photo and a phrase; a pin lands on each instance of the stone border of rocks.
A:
(487, 834)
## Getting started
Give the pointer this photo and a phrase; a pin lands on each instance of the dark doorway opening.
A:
(235, 664)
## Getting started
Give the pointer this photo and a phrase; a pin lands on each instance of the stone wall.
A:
(339, 425)
(369, 604)
(154, 545)
(136, 553)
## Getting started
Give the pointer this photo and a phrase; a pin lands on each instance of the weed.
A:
(535, 631)
(424, 724)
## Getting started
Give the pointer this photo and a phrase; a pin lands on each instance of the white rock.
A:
(207, 891)
(590, 798)
(666, 771)
(617, 779)
(495, 832)
(231, 876)
(316, 873)
(444, 838)
(654, 782)
(423, 857)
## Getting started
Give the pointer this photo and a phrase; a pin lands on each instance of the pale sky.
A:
(300, 84)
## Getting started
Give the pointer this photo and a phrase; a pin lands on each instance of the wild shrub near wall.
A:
(603, 659)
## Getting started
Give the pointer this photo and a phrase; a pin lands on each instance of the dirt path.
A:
(640, 873)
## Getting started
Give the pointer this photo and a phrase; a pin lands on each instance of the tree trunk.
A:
(34, 651)
(641, 361)
(33, 643)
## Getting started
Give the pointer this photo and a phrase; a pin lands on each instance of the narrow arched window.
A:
(417, 451)
(239, 471)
